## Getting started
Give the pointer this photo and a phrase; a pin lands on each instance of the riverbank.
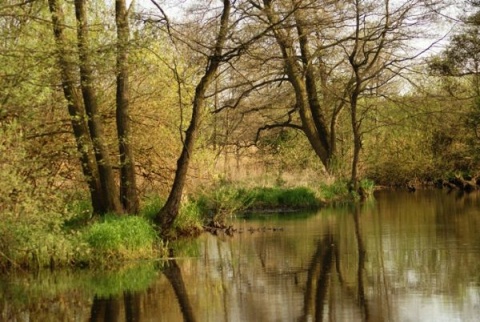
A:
(75, 238)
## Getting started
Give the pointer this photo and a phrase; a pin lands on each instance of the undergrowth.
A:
(121, 238)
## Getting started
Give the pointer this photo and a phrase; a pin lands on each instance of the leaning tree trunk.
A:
(166, 216)
(110, 189)
(128, 187)
(76, 110)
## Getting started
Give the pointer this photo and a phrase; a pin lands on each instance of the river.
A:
(401, 257)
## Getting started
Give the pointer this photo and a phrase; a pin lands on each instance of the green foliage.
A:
(336, 191)
(81, 212)
(367, 185)
(429, 141)
(151, 207)
(284, 198)
(32, 215)
(189, 220)
(121, 238)
(224, 201)
(339, 191)
(227, 200)
(133, 278)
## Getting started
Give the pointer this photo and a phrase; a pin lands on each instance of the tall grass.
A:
(336, 191)
(227, 200)
(189, 220)
(284, 198)
(339, 191)
(121, 238)
(224, 201)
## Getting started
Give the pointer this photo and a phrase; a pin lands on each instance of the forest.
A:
(126, 124)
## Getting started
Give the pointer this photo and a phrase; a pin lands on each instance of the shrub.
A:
(31, 214)
(188, 221)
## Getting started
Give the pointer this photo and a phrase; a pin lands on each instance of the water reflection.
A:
(117, 308)
(404, 257)
(173, 273)
(319, 274)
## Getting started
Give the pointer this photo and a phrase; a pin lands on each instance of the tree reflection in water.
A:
(318, 278)
(362, 301)
(111, 309)
(105, 310)
(320, 274)
(404, 257)
(174, 275)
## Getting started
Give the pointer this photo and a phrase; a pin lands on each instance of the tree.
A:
(87, 123)
(166, 216)
(336, 55)
(458, 68)
(301, 75)
(377, 54)
(76, 109)
(110, 192)
(128, 186)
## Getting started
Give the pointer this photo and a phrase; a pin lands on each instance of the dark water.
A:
(402, 257)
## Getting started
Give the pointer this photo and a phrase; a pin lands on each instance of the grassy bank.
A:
(71, 237)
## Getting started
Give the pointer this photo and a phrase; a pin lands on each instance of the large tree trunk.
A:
(110, 189)
(128, 187)
(302, 79)
(166, 216)
(76, 110)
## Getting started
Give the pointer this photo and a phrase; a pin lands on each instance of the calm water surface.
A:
(403, 257)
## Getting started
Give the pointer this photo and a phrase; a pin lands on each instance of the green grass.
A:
(283, 198)
(189, 220)
(339, 191)
(224, 201)
(335, 191)
(227, 200)
(151, 206)
(116, 237)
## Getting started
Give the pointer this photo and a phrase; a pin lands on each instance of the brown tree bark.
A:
(128, 186)
(302, 79)
(166, 216)
(110, 189)
(363, 62)
(76, 110)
